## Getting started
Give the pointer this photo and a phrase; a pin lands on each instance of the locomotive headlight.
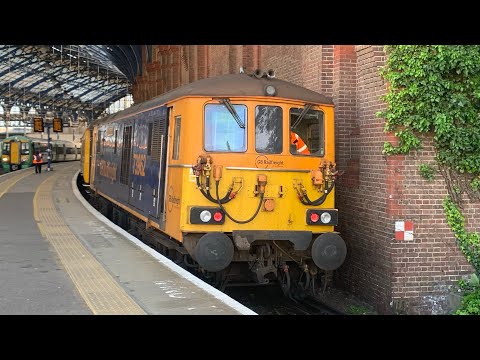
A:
(270, 90)
(205, 216)
(5, 158)
(325, 218)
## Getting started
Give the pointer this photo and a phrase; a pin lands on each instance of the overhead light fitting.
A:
(15, 110)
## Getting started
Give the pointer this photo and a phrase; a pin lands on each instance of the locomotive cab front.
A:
(266, 169)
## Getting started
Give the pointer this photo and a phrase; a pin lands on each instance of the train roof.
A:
(228, 86)
(36, 139)
(15, 137)
(54, 141)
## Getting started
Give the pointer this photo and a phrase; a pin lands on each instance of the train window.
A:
(6, 149)
(176, 138)
(150, 135)
(306, 131)
(25, 148)
(126, 154)
(115, 145)
(268, 129)
(99, 142)
(222, 132)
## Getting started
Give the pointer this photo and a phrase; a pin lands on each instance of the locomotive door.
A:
(14, 154)
(114, 159)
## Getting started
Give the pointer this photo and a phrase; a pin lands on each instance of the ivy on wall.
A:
(435, 89)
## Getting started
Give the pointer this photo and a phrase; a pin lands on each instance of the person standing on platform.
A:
(37, 161)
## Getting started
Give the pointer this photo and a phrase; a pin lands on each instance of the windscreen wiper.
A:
(302, 115)
(232, 110)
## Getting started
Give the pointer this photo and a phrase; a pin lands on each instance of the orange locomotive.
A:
(209, 173)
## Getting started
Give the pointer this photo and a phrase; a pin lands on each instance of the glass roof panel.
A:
(82, 77)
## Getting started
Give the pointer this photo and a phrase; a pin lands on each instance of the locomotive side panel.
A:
(127, 167)
(111, 153)
(184, 141)
(147, 172)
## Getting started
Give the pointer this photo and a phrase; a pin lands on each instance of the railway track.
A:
(313, 306)
(271, 301)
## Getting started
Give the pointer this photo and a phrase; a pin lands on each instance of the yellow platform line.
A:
(100, 291)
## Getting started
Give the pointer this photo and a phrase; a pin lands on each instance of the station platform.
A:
(60, 256)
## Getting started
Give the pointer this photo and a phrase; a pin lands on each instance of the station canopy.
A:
(77, 80)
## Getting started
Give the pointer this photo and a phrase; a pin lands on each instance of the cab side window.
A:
(307, 132)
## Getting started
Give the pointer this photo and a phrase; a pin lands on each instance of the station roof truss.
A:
(79, 79)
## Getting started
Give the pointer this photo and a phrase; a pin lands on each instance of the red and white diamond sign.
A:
(403, 230)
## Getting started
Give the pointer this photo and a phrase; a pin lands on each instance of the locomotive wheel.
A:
(14, 167)
(214, 251)
(285, 282)
(300, 288)
(304, 281)
(221, 280)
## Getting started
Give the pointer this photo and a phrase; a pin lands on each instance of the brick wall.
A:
(251, 58)
(178, 65)
(164, 73)
(426, 269)
(286, 60)
(217, 64)
(326, 74)
(361, 191)
(410, 276)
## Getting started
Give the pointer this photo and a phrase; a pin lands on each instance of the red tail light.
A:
(218, 216)
(314, 217)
